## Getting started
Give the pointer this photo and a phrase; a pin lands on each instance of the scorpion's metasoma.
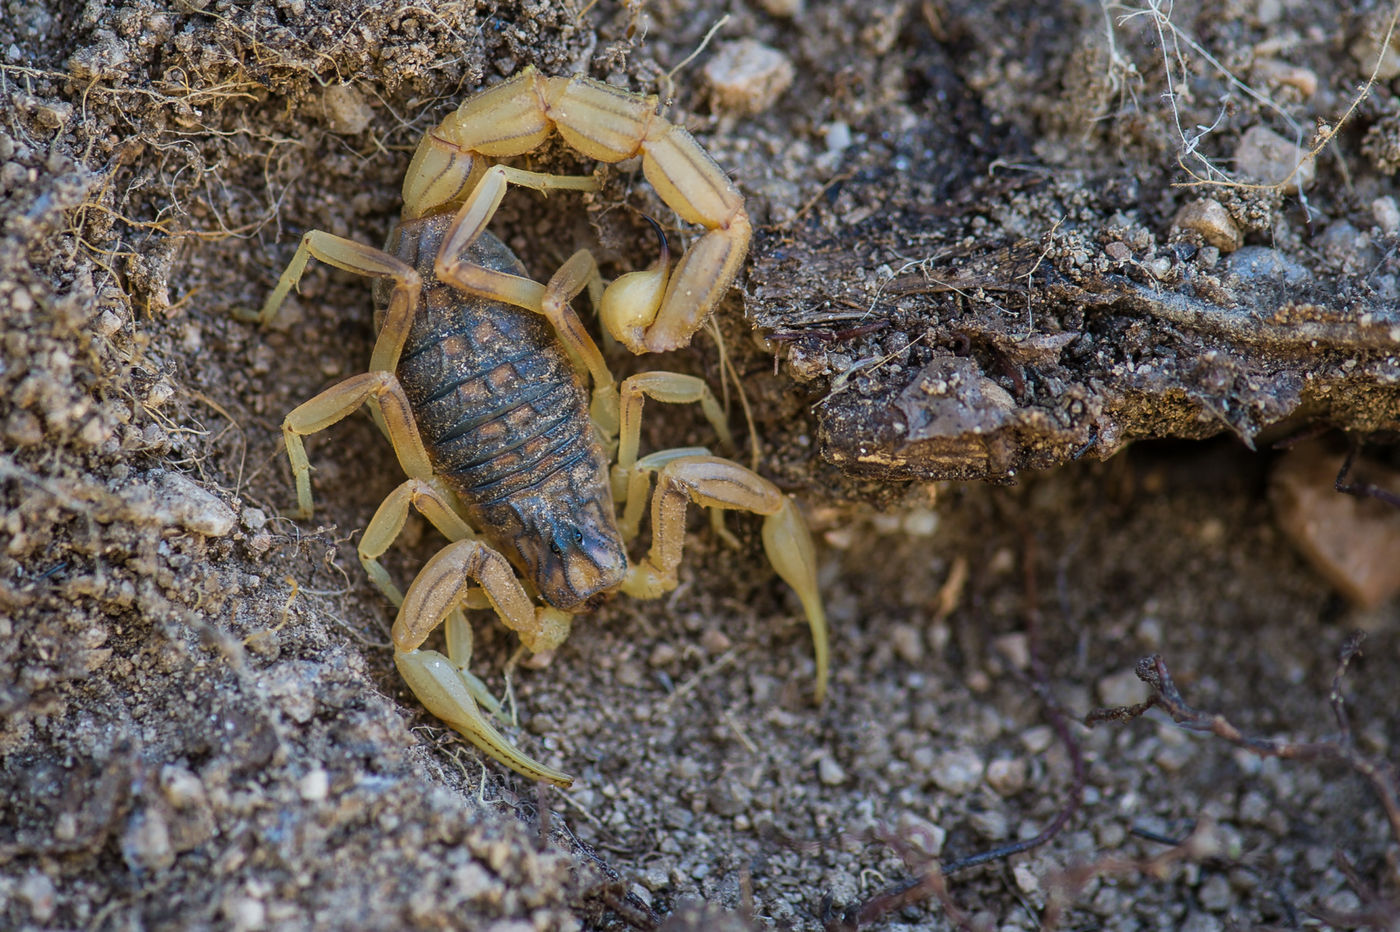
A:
(474, 379)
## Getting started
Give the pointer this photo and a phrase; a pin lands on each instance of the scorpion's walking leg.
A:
(378, 387)
(720, 483)
(668, 388)
(364, 260)
(444, 585)
(337, 402)
(432, 500)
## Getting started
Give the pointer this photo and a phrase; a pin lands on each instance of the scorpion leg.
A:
(334, 404)
(720, 483)
(364, 260)
(443, 586)
(434, 502)
(665, 387)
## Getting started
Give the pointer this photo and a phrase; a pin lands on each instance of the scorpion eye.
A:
(578, 536)
(555, 548)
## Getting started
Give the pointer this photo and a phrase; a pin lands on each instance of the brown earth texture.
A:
(1060, 319)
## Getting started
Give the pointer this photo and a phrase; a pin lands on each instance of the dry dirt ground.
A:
(965, 204)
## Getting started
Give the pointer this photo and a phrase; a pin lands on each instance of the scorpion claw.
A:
(446, 693)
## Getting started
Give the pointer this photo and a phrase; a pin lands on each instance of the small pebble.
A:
(345, 109)
(1007, 777)
(1121, 688)
(991, 824)
(1345, 246)
(924, 835)
(159, 394)
(1343, 903)
(1201, 922)
(958, 771)
(1212, 221)
(473, 882)
(921, 522)
(747, 77)
(181, 787)
(180, 500)
(830, 772)
(1252, 264)
(1038, 739)
(1215, 894)
(1353, 543)
(837, 137)
(246, 914)
(1268, 158)
(1174, 758)
(254, 519)
(1283, 74)
(38, 891)
(315, 785)
(728, 797)
(641, 893)
(1366, 51)
(1026, 880)
(663, 655)
(107, 323)
(714, 641)
(146, 842)
(786, 9)
(656, 878)
(908, 643)
(24, 429)
(1387, 214)
(1016, 648)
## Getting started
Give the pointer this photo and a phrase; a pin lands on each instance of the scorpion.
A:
(476, 378)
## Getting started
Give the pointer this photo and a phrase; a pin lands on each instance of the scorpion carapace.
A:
(475, 379)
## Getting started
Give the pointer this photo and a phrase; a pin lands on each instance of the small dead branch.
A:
(1342, 748)
(929, 883)
(1358, 488)
(1376, 911)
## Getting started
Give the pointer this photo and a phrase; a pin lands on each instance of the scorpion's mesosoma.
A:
(475, 379)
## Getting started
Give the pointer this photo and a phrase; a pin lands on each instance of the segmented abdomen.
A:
(499, 406)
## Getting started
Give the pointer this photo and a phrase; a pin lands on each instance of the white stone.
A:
(747, 77)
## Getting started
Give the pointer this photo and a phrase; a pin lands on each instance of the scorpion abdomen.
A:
(504, 417)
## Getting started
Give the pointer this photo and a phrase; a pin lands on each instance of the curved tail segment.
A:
(608, 124)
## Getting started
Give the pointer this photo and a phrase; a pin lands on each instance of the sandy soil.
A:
(202, 725)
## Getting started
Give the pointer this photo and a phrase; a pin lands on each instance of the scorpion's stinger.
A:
(630, 304)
